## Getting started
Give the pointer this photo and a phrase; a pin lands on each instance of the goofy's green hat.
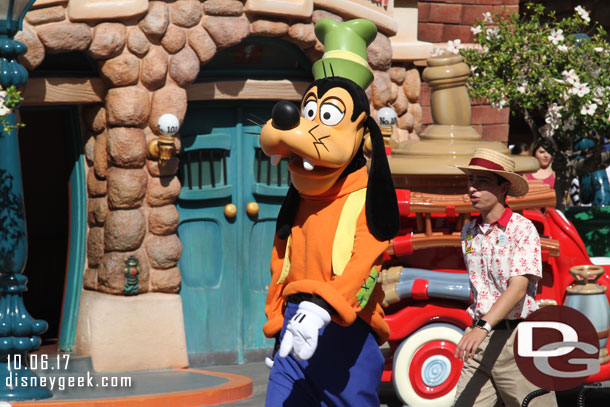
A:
(345, 50)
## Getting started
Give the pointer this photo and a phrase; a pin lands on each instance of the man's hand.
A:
(470, 343)
(301, 336)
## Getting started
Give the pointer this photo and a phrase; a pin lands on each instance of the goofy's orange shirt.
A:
(353, 291)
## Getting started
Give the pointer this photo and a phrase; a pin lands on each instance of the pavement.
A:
(259, 373)
(593, 397)
(227, 385)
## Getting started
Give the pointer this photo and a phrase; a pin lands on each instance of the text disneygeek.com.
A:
(49, 368)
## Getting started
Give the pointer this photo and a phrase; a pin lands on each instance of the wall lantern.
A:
(386, 118)
(163, 148)
(11, 17)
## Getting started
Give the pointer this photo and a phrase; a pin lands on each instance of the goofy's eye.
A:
(310, 109)
(330, 114)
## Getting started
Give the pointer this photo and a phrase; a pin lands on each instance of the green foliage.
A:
(551, 72)
(9, 100)
(537, 64)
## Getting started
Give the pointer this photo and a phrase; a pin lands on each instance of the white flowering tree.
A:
(554, 73)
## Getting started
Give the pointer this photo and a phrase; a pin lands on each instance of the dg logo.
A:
(557, 348)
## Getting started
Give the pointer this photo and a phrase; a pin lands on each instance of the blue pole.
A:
(19, 332)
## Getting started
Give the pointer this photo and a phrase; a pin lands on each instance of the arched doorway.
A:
(53, 172)
(54, 195)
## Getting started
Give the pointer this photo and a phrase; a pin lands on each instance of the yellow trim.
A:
(286, 264)
(343, 245)
(342, 54)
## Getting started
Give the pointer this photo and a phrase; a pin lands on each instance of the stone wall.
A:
(399, 88)
(147, 62)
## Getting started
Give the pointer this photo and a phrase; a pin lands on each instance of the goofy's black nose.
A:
(285, 116)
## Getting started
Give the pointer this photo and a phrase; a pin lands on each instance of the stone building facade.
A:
(149, 55)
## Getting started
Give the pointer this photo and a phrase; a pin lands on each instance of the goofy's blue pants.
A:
(345, 370)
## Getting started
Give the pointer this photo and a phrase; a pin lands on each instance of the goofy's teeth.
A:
(308, 165)
(275, 159)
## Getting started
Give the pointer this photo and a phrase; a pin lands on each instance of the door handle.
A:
(252, 208)
(230, 210)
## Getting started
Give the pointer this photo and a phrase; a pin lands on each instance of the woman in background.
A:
(541, 150)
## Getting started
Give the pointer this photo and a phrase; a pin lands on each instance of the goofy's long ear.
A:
(381, 205)
(288, 212)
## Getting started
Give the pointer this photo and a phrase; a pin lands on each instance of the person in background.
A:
(592, 189)
(542, 151)
(519, 149)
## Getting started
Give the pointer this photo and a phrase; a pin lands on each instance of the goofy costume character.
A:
(323, 305)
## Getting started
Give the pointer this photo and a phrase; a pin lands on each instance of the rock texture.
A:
(184, 67)
(154, 68)
(223, 7)
(35, 53)
(379, 53)
(126, 187)
(412, 85)
(163, 220)
(163, 251)
(95, 118)
(97, 211)
(227, 31)
(95, 186)
(303, 35)
(127, 147)
(100, 156)
(269, 28)
(123, 70)
(381, 89)
(156, 20)
(108, 40)
(174, 39)
(124, 230)
(200, 41)
(95, 246)
(137, 43)
(46, 15)
(65, 37)
(128, 106)
(397, 74)
(163, 191)
(185, 13)
(165, 281)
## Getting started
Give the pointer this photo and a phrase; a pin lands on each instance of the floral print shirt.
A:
(509, 247)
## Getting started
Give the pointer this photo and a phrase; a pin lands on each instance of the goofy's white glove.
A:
(301, 336)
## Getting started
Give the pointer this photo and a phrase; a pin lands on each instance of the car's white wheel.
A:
(425, 373)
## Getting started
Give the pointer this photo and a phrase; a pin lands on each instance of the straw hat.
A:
(489, 160)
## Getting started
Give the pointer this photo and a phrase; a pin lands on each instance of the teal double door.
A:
(228, 206)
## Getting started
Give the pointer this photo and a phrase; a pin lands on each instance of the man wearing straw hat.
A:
(502, 255)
